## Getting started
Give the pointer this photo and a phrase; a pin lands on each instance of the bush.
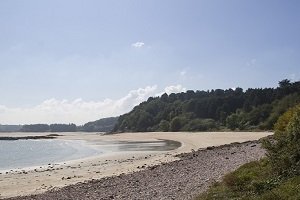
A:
(289, 189)
(273, 178)
(250, 180)
(233, 121)
(284, 152)
(200, 125)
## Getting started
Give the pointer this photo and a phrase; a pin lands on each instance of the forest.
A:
(275, 176)
(101, 125)
(49, 128)
(230, 109)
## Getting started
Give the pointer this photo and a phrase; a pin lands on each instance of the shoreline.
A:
(39, 180)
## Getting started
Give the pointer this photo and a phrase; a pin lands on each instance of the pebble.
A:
(183, 179)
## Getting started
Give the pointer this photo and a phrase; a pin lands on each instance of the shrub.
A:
(200, 125)
(247, 182)
(284, 152)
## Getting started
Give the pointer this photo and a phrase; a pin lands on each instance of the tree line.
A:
(255, 108)
(276, 176)
(49, 128)
(101, 125)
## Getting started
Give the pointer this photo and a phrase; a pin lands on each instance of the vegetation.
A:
(10, 128)
(49, 128)
(212, 110)
(101, 125)
(275, 177)
(284, 152)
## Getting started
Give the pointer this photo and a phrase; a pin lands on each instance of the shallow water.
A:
(159, 145)
(28, 153)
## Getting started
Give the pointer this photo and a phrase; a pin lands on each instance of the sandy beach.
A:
(56, 175)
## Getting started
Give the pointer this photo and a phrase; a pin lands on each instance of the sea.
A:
(18, 154)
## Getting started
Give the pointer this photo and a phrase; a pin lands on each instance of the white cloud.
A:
(138, 44)
(174, 89)
(79, 111)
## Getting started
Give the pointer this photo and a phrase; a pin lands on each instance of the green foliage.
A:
(279, 107)
(176, 124)
(233, 121)
(49, 128)
(254, 181)
(275, 177)
(237, 109)
(283, 121)
(288, 189)
(101, 125)
(164, 125)
(200, 125)
(284, 151)
(249, 120)
(63, 128)
(36, 128)
(145, 120)
(10, 128)
(250, 178)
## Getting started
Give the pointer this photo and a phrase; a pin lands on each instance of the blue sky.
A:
(62, 61)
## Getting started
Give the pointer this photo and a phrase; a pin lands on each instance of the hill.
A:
(10, 128)
(101, 125)
(212, 110)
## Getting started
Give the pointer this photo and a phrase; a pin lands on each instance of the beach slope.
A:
(139, 175)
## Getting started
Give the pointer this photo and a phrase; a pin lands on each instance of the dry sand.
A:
(41, 179)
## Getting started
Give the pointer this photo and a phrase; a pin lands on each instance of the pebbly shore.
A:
(182, 179)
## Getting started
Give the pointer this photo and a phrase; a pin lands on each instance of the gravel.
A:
(183, 179)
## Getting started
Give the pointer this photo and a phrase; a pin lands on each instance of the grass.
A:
(254, 181)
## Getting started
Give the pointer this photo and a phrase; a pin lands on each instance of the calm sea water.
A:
(27, 153)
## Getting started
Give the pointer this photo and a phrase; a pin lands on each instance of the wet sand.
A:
(40, 179)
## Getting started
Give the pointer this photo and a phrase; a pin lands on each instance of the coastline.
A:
(39, 180)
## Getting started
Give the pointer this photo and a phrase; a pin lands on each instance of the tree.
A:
(232, 121)
(144, 121)
(175, 124)
(250, 109)
(200, 125)
(284, 83)
(164, 125)
(35, 128)
(284, 152)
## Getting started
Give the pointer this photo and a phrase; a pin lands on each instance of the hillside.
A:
(212, 110)
(10, 128)
(101, 125)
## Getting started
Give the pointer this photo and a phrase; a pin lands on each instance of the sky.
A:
(75, 61)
